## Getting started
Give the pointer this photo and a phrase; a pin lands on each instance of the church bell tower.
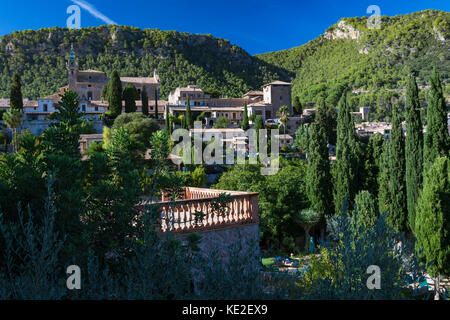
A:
(72, 69)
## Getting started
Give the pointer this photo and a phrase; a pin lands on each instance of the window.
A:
(45, 107)
(90, 95)
(281, 98)
(96, 108)
(83, 108)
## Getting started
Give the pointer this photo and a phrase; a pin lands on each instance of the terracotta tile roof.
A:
(277, 83)
(139, 80)
(254, 93)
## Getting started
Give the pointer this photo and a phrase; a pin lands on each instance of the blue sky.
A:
(256, 25)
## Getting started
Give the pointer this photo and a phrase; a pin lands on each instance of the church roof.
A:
(139, 80)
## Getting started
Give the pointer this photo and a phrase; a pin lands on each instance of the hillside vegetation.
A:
(370, 61)
(181, 59)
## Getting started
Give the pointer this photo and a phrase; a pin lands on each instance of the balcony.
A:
(198, 210)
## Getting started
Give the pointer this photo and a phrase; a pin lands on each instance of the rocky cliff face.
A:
(342, 31)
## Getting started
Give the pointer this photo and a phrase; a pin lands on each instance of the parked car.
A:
(272, 121)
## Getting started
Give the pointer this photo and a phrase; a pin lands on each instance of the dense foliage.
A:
(373, 62)
(180, 58)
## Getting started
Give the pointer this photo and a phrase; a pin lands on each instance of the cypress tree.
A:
(433, 218)
(156, 104)
(259, 124)
(167, 122)
(16, 100)
(298, 109)
(366, 208)
(144, 99)
(383, 180)
(398, 216)
(129, 95)
(414, 149)
(189, 122)
(114, 95)
(245, 124)
(318, 177)
(436, 136)
(346, 175)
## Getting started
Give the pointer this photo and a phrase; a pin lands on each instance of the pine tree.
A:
(398, 215)
(16, 100)
(318, 177)
(114, 95)
(346, 175)
(245, 123)
(436, 136)
(144, 99)
(156, 104)
(414, 149)
(189, 122)
(433, 218)
(129, 95)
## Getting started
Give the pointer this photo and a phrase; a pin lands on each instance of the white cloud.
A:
(91, 9)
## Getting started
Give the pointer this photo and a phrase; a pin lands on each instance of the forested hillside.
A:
(371, 61)
(181, 59)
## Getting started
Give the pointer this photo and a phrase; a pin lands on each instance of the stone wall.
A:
(223, 239)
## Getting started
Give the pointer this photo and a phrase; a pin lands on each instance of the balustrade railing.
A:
(203, 209)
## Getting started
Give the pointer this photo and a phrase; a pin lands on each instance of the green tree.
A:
(16, 100)
(307, 218)
(113, 190)
(366, 208)
(398, 215)
(414, 149)
(199, 177)
(13, 120)
(283, 113)
(259, 125)
(433, 219)
(245, 124)
(346, 166)
(167, 122)
(62, 158)
(383, 181)
(189, 120)
(436, 136)
(318, 178)
(373, 163)
(144, 99)
(130, 94)
(139, 128)
(114, 94)
(301, 140)
(297, 105)
(222, 122)
(327, 119)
